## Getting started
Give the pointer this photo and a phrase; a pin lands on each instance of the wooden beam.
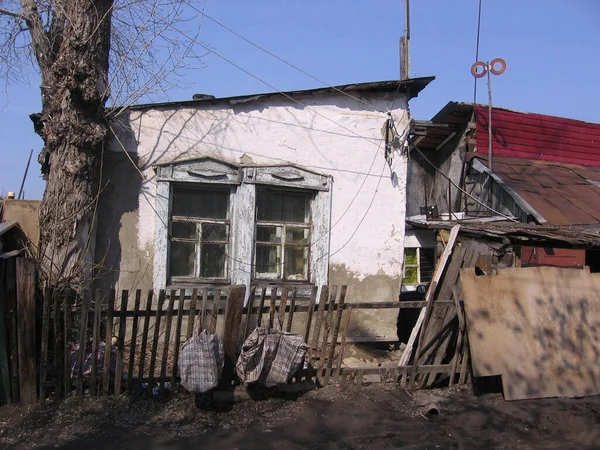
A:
(26, 286)
(423, 316)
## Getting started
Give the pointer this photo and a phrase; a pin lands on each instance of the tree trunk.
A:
(74, 131)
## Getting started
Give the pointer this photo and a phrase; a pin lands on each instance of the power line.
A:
(281, 59)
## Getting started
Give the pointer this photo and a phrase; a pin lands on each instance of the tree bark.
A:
(74, 93)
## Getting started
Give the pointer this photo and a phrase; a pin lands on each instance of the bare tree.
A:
(87, 52)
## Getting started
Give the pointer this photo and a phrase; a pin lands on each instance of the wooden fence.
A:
(52, 337)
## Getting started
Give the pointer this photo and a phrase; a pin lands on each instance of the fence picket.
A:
(44, 349)
(108, 342)
(165, 349)
(153, 355)
(282, 305)
(145, 334)
(97, 318)
(261, 305)
(203, 313)
(336, 331)
(58, 345)
(192, 315)
(326, 330)
(288, 328)
(121, 341)
(133, 340)
(177, 338)
(83, 320)
(249, 313)
(215, 311)
(66, 338)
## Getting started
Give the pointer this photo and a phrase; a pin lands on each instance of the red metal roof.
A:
(538, 137)
(563, 194)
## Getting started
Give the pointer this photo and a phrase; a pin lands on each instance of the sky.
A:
(550, 47)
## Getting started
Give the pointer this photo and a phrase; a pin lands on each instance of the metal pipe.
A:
(25, 175)
(490, 142)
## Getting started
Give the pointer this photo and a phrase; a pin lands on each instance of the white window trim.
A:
(418, 265)
(243, 181)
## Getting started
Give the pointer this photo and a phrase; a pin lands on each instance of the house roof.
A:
(521, 233)
(538, 137)
(563, 194)
(411, 87)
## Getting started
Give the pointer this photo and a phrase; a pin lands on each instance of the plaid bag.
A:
(201, 362)
(270, 357)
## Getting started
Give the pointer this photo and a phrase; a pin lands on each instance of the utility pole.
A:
(21, 193)
(405, 44)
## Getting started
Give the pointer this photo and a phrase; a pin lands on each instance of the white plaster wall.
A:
(334, 135)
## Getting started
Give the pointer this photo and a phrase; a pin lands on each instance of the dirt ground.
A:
(335, 417)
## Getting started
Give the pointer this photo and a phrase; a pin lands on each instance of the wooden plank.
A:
(326, 331)
(145, 334)
(203, 311)
(121, 341)
(311, 308)
(67, 302)
(320, 313)
(461, 332)
(261, 305)
(272, 307)
(282, 306)
(465, 362)
(108, 342)
(166, 343)
(133, 340)
(155, 340)
(231, 331)
(376, 370)
(214, 316)
(83, 322)
(440, 316)
(249, 313)
(177, 338)
(336, 331)
(429, 297)
(26, 286)
(58, 345)
(343, 343)
(44, 349)
(97, 319)
(288, 327)
(192, 314)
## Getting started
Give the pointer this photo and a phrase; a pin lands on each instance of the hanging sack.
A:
(201, 362)
(270, 357)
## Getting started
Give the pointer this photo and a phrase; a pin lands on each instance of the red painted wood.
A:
(559, 257)
(539, 137)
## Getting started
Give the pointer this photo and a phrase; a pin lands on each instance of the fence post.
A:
(26, 287)
(231, 331)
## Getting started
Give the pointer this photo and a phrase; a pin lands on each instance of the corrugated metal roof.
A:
(538, 137)
(563, 194)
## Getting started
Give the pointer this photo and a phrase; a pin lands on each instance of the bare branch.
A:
(12, 14)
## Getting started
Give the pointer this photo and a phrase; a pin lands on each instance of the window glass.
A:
(281, 206)
(410, 256)
(184, 230)
(267, 259)
(212, 261)
(183, 255)
(411, 275)
(194, 202)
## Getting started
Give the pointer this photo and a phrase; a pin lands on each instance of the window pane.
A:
(183, 255)
(214, 232)
(194, 202)
(184, 230)
(410, 275)
(267, 258)
(296, 261)
(410, 256)
(296, 235)
(268, 234)
(282, 206)
(212, 260)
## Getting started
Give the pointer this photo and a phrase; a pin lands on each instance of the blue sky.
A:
(550, 47)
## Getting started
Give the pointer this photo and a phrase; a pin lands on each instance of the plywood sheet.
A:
(538, 327)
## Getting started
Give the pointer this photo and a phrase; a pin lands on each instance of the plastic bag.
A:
(270, 357)
(201, 362)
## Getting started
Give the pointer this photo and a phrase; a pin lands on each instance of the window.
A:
(282, 234)
(199, 237)
(418, 265)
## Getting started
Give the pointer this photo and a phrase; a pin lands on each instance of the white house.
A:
(305, 187)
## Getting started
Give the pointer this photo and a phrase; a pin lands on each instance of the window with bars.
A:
(418, 265)
(200, 233)
(282, 239)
